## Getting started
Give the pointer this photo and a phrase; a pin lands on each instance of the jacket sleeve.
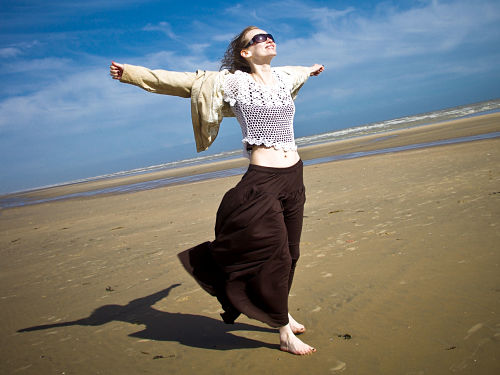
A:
(159, 81)
(297, 75)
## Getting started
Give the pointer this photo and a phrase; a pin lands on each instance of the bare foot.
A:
(296, 327)
(291, 344)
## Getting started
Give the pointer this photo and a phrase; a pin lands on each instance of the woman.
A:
(250, 265)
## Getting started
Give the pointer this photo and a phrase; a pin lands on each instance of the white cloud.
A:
(349, 37)
(342, 40)
(9, 52)
(198, 47)
(90, 101)
(172, 61)
(17, 49)
(249, 12)
(163, 27)
(226, 37)
(53, 64)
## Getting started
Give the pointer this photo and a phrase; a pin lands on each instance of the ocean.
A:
(18, 199)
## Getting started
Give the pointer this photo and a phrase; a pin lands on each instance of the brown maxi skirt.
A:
(249, 266)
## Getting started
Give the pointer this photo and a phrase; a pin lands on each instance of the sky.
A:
(63, 118)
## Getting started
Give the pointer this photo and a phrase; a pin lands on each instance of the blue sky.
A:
(63, 118)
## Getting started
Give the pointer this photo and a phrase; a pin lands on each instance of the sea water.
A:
(474, 109)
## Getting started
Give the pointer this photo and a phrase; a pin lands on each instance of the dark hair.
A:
(232, 59)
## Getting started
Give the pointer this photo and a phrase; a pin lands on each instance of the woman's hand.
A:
(116, 70)
(316, 69)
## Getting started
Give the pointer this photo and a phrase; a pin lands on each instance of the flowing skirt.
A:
(249, 266)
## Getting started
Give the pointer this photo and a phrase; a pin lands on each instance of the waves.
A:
(357, 131)
(403, 122)
(352, 132)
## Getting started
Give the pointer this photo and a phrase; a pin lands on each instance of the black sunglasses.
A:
(259, 38)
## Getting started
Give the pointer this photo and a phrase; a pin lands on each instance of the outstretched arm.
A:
(316, 69)
(156, 81)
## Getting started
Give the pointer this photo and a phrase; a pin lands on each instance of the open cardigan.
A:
(205, 90)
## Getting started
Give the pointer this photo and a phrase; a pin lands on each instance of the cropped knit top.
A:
(265, 113)
(205, 88)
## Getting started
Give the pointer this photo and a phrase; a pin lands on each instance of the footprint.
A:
(474, 329)
(339, 366)
(310, 265)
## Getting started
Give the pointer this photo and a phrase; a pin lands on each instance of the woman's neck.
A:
(262, 74)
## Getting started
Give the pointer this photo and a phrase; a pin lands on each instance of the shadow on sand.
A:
(190, 330)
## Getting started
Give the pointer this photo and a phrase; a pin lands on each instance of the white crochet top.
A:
(265, 113)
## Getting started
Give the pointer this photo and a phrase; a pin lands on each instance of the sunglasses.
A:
(259, 38)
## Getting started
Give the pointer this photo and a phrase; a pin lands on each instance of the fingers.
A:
(319, 70)
(116, 70)
(119, 66)
(316, 69)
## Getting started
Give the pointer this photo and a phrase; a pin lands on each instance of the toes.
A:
(298, 330)
(309, 350)
(303, 351)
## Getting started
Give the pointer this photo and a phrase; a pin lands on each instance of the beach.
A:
(399, 270)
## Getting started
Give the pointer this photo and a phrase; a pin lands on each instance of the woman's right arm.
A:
(156, 81)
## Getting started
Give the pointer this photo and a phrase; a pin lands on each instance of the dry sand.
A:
(399, 272)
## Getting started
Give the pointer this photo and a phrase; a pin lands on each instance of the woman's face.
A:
(267, 48)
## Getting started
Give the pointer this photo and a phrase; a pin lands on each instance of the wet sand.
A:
(397, 138)
(399, 272)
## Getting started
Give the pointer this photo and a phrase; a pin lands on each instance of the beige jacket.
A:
(205, 90)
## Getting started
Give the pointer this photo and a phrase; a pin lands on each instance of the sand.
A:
(399, 272)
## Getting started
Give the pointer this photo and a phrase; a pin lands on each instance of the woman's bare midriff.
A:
(272, 157)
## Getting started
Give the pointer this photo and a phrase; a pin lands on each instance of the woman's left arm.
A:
(298, 75)
(316, 69)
